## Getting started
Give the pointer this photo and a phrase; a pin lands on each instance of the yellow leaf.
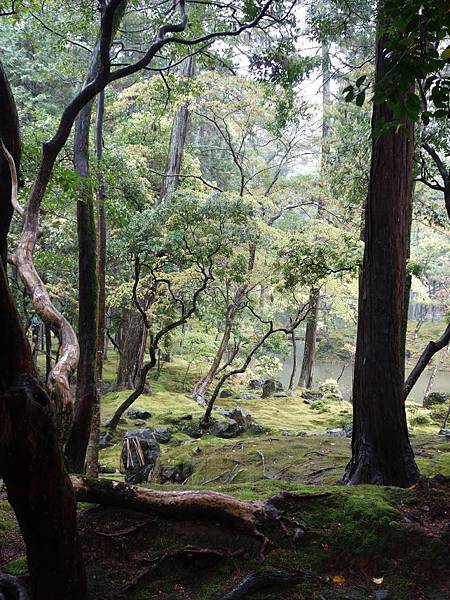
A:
(339, 580)
(446, 53)
(378, 580)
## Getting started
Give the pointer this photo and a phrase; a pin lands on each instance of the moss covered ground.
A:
(354, 543)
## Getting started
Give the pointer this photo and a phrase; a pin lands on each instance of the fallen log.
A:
(246, 516)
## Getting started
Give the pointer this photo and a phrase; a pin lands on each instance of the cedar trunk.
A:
(381, 452)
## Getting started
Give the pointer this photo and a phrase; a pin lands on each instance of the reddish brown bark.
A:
(381, 452)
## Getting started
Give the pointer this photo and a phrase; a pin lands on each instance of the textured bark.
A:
(309, 354)
(381, 451)
(86, 394)
(92, 452)
(31, 464)
(294, 362)
(306, 372)
(9, 134)
(425, 357)
(177, 137)
(133, 349)
(206, 505)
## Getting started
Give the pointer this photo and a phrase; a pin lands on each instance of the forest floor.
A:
(355, 543)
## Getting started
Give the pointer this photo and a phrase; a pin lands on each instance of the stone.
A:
(312, 395)
(105, 439)
(268, 389)
(256, 384)
(140, 423)
(436, 398)
(225, 428)
(382, 595)
(176, 474)
(238, 414)
(248, 397)
(162, 435)
(345, 431)
(135, 472)
(138, 413)
(226, 394)
(445, 432)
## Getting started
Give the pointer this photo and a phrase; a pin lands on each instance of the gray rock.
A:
(106, 437)
(177, 474)
(382, 595)
(135, 471)
(238, 414)
(226, 394)
(138, 413)
(268, 389)
(445, 432)
(162, 435)
(345, 431)
(248, 397)
(256, 384)
(225, 428)
(312, 395)
(436, 398)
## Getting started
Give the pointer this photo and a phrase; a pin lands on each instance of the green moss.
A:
(18, 566)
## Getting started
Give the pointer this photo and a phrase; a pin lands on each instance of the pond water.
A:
(324, 370)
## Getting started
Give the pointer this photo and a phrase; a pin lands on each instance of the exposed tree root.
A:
(12, 588)
(188, 552)
(254, 583)
(207, 505)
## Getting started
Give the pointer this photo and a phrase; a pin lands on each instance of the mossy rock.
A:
(436, 398)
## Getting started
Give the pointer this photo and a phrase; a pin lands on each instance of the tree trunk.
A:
(132, 356)
(31, 464)
(9, 134)
(177, 137)
(86, 395)
(381, 452)
(48, 350)
(294, 362)
(306, 373)
(425, 357)
(203, 385)
(435, 371)
(93, 445)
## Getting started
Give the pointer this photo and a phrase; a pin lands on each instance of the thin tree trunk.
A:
(177, 137)
(435, 371)
(48, 350)
(203, 385)
(425, 357)
(294, 362)
(131, 358)
(86, 394)
(381, 451)
(309, 354)
(92, 452)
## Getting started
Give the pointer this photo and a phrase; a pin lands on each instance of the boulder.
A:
(445, 433)
(248, 397)
(226, 394)
(242, 417)
(139, 465)
(436, 398)
(268, 389)
(138, 413)
(162, 435)
(225, 428)
(345, 431)
(105, 439)
(256, 384)
(176, 474)
(312, 395)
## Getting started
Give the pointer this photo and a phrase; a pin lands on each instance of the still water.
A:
(324, 370)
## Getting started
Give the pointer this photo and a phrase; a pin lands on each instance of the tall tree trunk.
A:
(381, 451)
(306, 373)
(93, 445)
(294, 361)
(177, 137)
(31, 464)
(86, 395)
